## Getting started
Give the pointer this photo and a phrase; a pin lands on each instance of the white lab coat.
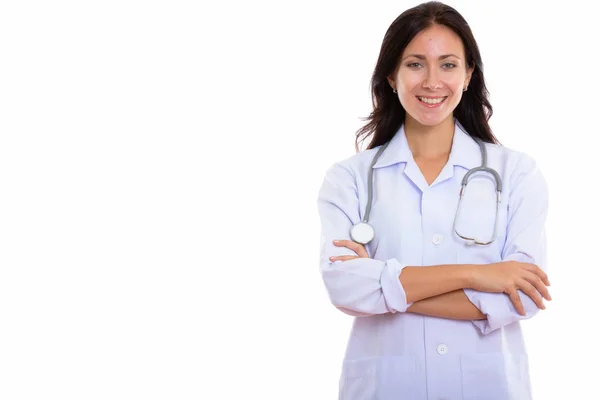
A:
(392, 354)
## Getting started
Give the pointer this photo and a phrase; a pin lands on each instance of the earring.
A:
(465, 89)
(394, 90)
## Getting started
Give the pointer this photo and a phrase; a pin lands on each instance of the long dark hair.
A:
(474, 109)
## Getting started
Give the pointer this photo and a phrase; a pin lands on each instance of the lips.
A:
(432, 102)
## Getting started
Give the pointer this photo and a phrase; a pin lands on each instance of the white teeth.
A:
(432, 101)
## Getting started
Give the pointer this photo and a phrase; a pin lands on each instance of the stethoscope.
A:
(362, 232)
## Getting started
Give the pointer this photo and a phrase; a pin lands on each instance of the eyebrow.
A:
(422, 57)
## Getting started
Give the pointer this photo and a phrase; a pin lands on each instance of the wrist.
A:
(414, 307)
(467, 275)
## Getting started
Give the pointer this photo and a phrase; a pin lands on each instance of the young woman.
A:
(433, 237)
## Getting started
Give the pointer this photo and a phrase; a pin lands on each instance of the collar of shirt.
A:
(465, 151)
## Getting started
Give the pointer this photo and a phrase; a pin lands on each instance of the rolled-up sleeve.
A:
(525, 242)
(361, 286)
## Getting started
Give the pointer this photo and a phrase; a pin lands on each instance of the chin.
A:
(430, 120)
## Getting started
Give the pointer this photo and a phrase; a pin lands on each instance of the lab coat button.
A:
(437, 239)
(442, 349)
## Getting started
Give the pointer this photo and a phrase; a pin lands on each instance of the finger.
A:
(362, 252)
(356, 247)
(516, 300)
(342, 258)
(542, 274)
(539, 285)
(539, 272)
(533, 294)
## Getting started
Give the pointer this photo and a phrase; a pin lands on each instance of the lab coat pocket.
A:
(379, 378)
(484, 377)
(399, 379)
(359, 379)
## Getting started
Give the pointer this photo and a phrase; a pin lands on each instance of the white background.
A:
(159, 169)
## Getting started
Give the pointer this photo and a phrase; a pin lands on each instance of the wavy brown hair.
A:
(474, 109)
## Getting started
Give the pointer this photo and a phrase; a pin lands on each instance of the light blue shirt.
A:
(393, 354)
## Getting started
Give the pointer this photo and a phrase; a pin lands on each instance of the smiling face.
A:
(431, 75)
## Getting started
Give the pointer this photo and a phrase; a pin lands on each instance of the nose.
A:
(431, 80)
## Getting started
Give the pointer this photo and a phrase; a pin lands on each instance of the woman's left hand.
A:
(356, 247)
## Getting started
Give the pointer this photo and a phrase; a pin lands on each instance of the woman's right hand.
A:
(510, 276)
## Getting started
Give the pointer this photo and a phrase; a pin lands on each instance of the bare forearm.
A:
(451, 305)
(423, 282)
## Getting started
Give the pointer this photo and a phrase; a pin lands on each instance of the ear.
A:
(391, 82)
(469, 75)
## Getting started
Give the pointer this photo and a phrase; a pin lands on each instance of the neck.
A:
(429, 142)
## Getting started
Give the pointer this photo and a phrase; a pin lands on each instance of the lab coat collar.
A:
(465, 151)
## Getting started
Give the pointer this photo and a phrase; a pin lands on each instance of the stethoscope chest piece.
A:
(362, 233)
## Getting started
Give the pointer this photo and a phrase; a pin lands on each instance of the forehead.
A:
(434, 41)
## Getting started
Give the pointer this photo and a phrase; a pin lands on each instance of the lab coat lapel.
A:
(399, 152)
(446, 173)
(413, 173)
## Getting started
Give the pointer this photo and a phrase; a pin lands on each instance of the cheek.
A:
(454, 82)
(408, 88)
(408, 82)
(407, 99)
(457, 88)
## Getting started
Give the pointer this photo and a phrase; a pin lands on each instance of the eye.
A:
(449, 66)
(413, 65)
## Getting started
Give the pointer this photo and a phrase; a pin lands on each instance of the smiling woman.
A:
(429, 78)
(437, 313)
